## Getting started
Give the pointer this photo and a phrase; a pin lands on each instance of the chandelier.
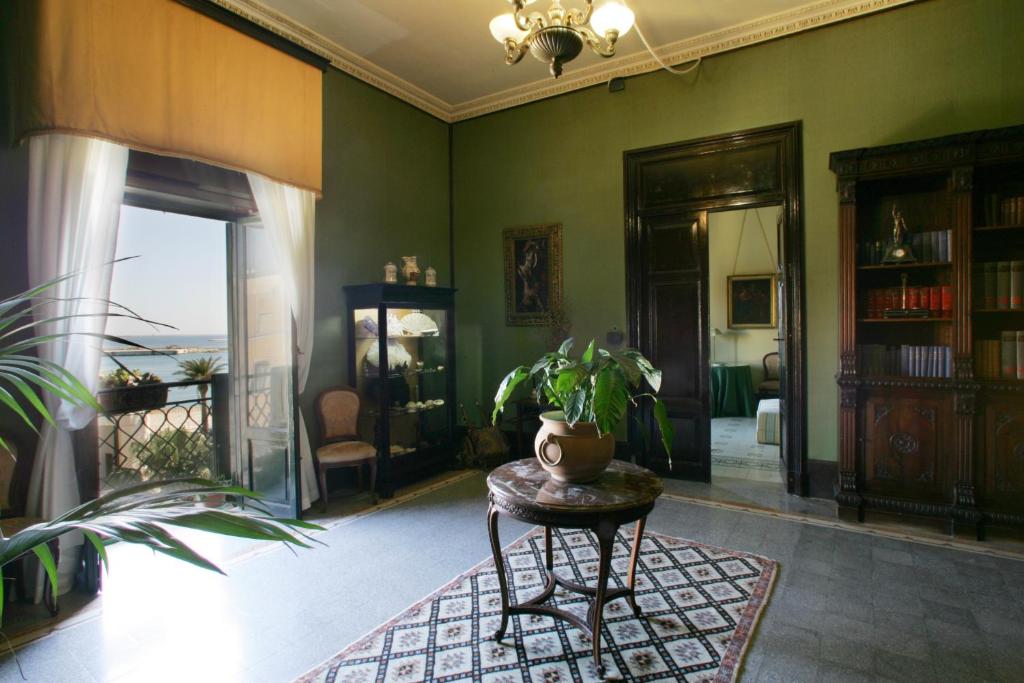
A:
(560, 36)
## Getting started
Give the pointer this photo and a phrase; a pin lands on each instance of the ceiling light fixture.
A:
(560, 36)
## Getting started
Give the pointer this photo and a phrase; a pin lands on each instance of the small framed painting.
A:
(533, 274)
(751, 301)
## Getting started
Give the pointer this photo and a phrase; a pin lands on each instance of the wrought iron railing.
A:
(165, 433)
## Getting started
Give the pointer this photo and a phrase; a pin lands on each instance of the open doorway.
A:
(671, 192)
(159, 418)
(744, 319)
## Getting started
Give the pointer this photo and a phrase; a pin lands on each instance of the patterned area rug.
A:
(734, 445)
(700, 606)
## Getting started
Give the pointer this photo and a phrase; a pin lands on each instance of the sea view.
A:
(167, 367)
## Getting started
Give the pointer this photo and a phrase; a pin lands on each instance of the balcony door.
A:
(265, 453)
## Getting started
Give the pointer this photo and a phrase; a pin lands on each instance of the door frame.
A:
(786, 141)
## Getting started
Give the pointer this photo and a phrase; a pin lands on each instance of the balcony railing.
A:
(158, 432)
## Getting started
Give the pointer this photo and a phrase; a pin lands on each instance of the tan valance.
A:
(157, 76)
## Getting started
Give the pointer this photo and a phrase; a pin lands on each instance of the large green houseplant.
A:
(141, 514)
(592, 394)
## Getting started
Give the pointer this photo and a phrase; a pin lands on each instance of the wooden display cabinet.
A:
(407, 411)
(928, 423)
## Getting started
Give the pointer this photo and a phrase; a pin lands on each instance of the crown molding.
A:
(805, 18)
(339, 57)
(814, 15)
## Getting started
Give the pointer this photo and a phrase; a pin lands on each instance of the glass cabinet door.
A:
(406, 371)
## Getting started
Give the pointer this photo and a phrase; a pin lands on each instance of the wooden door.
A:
(674, 336)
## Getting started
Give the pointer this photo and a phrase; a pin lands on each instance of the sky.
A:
(180, 277)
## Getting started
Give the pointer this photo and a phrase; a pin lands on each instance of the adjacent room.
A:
(511, 340)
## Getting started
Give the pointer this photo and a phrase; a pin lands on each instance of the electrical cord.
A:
(659, 60)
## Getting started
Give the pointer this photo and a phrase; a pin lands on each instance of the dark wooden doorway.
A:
(669, 191)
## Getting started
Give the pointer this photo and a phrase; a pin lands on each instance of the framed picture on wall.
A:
(751, 301)
(533, 274)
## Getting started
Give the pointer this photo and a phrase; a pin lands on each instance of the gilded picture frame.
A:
(533, 274)
(752, 301)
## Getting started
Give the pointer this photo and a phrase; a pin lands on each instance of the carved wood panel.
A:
(907, 444)
(1003, 444)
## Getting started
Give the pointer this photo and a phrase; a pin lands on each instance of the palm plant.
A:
(138, 514)
(200, 370)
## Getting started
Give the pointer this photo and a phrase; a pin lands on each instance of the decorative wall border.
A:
(810, 16)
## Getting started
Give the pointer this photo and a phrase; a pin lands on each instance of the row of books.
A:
(938, 299)
(1001, 285)
(928, 247)
(1002, 359)
(905, 361)
(1000, 210)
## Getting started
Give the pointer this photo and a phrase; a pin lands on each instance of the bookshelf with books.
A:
(931, 367)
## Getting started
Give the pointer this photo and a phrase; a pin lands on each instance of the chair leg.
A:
(373, 480)
(322, 479)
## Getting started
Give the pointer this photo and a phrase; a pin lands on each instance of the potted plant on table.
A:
(132, 390)
(576, 442)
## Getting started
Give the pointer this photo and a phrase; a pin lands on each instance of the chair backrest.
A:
(338, 409)
(771, 365)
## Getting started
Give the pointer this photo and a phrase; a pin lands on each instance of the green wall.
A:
(385, 196)
(925, 70)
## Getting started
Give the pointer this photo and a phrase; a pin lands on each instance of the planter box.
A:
(146, 397)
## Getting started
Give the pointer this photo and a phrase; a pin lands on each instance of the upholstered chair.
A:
(769, 386)
(340, 446)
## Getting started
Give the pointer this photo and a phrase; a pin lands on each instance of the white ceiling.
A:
(442, 53)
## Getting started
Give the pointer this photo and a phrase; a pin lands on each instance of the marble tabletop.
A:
(622, 486)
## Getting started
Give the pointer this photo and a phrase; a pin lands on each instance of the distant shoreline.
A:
(163, 351)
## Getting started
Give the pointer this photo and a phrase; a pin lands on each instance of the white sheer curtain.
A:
(288, 215)
(75, 189)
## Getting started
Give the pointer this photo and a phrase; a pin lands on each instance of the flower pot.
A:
(145, 397)
(575, 455)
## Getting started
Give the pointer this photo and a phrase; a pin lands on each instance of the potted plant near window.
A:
(576, 442)
(132, 390)
(143, 514)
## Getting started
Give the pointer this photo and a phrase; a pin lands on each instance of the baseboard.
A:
(822, 477)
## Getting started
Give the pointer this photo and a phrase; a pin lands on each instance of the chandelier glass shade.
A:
(560, 35)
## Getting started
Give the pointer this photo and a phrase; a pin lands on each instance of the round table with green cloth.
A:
(732, 391)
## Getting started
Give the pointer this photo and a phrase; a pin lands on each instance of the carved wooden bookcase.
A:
(944, 446)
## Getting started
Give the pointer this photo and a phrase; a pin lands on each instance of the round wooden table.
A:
(523, 490)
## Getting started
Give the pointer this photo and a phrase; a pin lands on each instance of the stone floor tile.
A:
(959, 616)
(892, 556)
(837, 651)
(898, 667)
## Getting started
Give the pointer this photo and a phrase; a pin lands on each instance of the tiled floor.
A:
(736, 454)
(846, 606)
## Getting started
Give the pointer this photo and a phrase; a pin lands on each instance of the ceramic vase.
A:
(573, 455)
(410, 270)
(390, 272)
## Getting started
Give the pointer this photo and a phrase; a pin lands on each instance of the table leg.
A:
(605, 541)
(549, 560)
(499, 567)
(634, 557)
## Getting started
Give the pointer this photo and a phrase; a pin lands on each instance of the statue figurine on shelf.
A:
(898, 250)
